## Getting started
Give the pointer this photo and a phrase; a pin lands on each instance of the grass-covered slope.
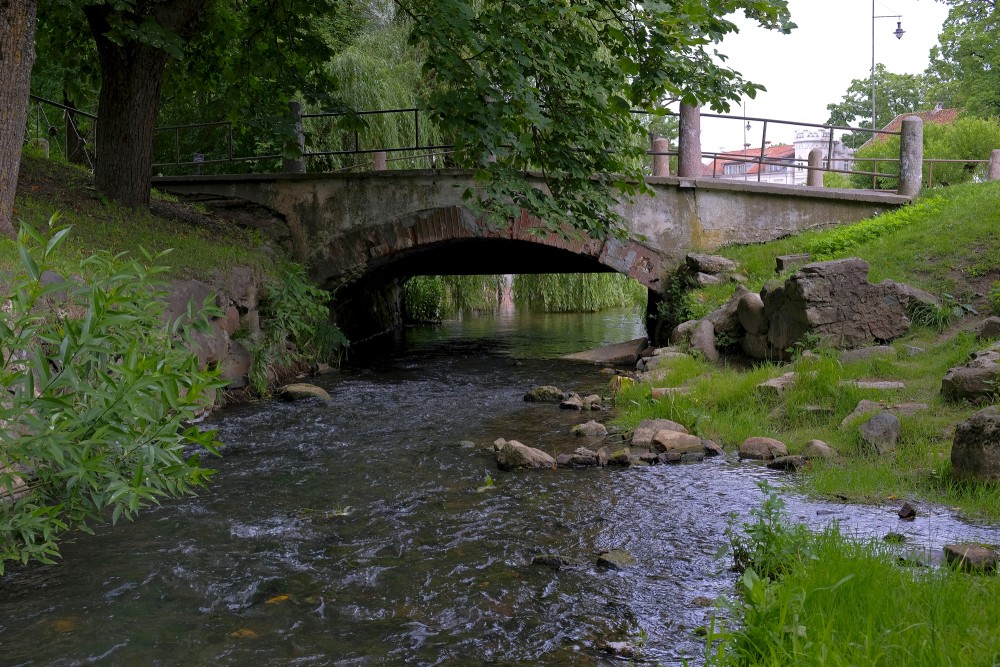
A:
(201, 243)
(947, 243)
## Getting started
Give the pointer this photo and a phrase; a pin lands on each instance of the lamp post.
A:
(898, 32)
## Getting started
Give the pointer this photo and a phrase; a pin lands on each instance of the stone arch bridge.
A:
(365, 234)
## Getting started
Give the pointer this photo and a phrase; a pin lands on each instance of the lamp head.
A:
(899, 32)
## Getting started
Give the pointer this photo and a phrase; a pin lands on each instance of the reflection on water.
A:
(356, 533)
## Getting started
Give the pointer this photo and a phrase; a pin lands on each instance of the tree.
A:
(549, 85)
(17, 53)
(894, 94)
(965, 65)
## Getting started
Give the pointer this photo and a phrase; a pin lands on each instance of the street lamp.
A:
(898, 32)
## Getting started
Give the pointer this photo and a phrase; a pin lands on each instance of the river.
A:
(359, 532)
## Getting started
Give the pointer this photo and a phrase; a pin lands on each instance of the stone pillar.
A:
(993, 171)
(814, 177)
(689, 146)
(661, 161)
(296, 165)
(911, 156)
(379, 161)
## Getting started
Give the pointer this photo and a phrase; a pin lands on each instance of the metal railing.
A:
(332, 139)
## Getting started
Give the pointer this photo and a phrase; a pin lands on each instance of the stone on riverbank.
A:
(642, 437)
(764, 449)
(975, 453)
(881, 432)
(976, 380)
(971, 557)
(673, 441)
(621, 354)
(788, 463)
(990, 328)
(817, 449)
(512, 455)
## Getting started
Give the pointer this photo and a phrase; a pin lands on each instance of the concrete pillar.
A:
(911, 156)
(296, 165)
(661, 161)
(380, 161)
(814, 177)
(993, 171)
(689, 146)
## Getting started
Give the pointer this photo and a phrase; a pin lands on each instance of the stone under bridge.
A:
(365, 234)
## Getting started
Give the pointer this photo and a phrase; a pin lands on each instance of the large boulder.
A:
(703, 340)
(674, 441)
(975, 453)
(990, 328)
(750, 311)
(835, 302)
(725, 319)
(511, 455)
(682, 332)
(976, 380)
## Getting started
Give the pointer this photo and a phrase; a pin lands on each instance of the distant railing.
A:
(335, 141)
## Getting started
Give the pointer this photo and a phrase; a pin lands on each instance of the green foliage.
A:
(295, 328)
(766, 546)
(842, 602)
(994, 299)
(578, 292)
(966, 139)
(431, 298)
(423, 298)
(548, 86)
(965, 66)
(100, 396)
(894, 94)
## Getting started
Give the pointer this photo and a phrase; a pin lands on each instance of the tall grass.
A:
(828, 599)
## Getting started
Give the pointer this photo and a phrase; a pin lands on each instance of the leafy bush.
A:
(965, 139)
(295, 328)
(99, 398)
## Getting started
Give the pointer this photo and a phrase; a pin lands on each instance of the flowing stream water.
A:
(358, 532)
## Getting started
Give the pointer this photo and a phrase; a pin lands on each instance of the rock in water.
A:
(616, 559)
(544, 394)
(300, 390)
(513, 455)
(762, 448)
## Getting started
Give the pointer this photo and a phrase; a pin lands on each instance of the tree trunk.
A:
(131, 77)
(17, 55)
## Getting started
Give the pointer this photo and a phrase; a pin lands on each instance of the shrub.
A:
(294, 311)
(100, 396)
(965, 139)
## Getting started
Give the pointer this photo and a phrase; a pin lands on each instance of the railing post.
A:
(993, 172)
(296, 165)
(689, 146)
(661, 161)
(380, 161)
(814, 177)
(911, 156)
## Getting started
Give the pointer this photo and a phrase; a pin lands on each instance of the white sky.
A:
(814, 65)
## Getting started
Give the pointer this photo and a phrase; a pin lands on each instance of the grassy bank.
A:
(827, 600)
(947, 243)
(200, 243)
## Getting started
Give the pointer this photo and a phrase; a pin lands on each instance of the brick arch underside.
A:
(442, 234)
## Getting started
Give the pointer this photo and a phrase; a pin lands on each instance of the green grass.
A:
(946, 243)
(828, 599)
(850, 603)
(199, 244)
(942, 243)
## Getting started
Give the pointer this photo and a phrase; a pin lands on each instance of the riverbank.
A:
(948, 246)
